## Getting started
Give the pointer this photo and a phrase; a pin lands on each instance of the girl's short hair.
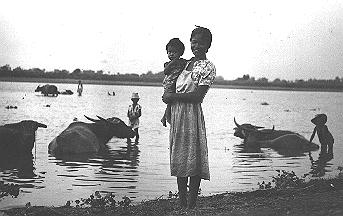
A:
(319, 119)
(177, 44)
(205, 33)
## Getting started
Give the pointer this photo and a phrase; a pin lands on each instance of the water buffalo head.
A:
(251, 133)
(108, 128)
(38, 89)
(239, 129)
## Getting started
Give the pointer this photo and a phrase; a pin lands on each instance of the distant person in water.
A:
(79, 88)
(133, 113)
(325, 137)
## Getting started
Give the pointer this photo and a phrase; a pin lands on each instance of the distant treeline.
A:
(246, 80)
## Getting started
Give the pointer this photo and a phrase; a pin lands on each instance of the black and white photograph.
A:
(183, 107)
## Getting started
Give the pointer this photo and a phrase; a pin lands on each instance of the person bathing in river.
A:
(80, 88)
(133, 113)
(172, 69)
(325, 137)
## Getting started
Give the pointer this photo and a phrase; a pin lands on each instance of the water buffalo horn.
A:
(114, 120)
(101, 118)
(268, 132)
(41, 125)
(90, 119)
(234, 119)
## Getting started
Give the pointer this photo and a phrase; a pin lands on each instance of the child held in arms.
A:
(172, 69)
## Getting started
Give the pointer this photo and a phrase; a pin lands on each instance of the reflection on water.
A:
(113, 166)
(249, 151)
(19, 170)
(320, 166)
(291, 152)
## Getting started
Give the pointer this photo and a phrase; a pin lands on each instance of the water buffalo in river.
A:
(47, 90)
(266, 134)
(80, 137)
(17, 139)
(66, 92)
(271, 138)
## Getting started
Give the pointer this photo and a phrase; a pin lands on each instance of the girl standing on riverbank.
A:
(188, 142)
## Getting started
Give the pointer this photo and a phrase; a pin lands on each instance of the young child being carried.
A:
(325, 137)
(172, 69)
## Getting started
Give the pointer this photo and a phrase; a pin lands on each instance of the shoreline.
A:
(130, 83)
(324, 197)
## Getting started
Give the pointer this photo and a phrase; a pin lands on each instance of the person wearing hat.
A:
(325, 137)
(133, 113)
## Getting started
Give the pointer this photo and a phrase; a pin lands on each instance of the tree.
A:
(219, 78)
(77, 71)
(246, 77)
(337, 79)
(5, 69)
(100, 72)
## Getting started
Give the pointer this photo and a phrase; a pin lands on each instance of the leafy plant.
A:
(172, 195)
(283, 180)
(97, 200)
(264, 186)
(286, 179)
(9, 189)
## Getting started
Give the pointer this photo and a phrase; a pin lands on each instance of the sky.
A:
(289, 39)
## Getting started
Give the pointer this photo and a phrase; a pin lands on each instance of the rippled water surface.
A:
(141, 171)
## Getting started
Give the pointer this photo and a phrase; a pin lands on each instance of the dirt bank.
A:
(323, 199)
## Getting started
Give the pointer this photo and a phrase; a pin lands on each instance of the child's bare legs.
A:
(330, 149)
(137, 135)
(166, 116)
(128, 140)
(323, 148)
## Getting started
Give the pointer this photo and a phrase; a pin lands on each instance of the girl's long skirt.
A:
(188, 143)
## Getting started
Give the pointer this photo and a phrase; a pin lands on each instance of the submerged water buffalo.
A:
(18, 139)
(271, 138)
(66, 92)
(265, 134)
(47, 90)
(80, 137)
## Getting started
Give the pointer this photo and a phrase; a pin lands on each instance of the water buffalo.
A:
(271, 138)
(47, 90)
(66, 92)
(80, 137)
(265, 134)
(18, 139)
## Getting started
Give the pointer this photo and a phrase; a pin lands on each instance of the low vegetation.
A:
(285, 194)
(8, 190)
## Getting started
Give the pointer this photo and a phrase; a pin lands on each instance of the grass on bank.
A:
(284, 184)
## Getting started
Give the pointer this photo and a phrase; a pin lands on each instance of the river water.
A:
(141, 171)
